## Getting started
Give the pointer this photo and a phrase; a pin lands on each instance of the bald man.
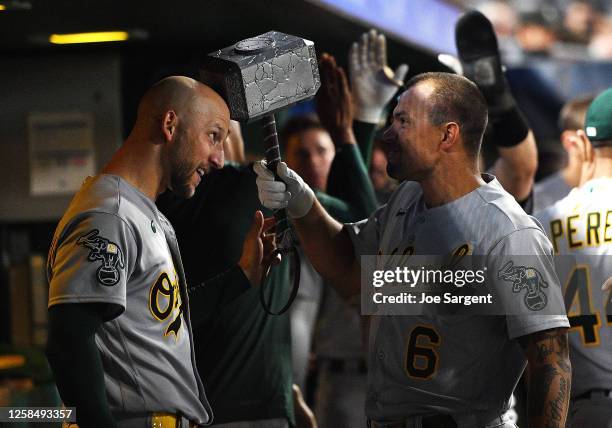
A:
(120, 332)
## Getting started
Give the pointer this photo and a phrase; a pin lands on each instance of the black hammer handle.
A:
(272, 159)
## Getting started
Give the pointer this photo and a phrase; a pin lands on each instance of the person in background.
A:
(508, 142)
(578, 226)
(338, 337)
(328, 155)
(558, 185)
(383, 184)
(578, 22)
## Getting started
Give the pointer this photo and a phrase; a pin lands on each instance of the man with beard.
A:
(120, 339)
(433, 369)
(244, 354)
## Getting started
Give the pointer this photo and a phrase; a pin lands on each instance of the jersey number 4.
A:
(421, 355)
(585, 320)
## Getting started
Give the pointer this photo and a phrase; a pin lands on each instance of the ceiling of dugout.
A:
(170, 36)
(182, 27)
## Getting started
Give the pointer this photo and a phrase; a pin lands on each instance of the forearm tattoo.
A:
(550, 377)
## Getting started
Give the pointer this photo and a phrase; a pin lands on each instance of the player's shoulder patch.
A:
(526, 278)
(107, 252)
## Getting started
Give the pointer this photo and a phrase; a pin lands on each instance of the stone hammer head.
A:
(262, 74)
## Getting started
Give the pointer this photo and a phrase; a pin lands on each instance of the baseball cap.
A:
(598, 121)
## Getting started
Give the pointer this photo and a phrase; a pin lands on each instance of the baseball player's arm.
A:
(348, 178)
(76, 364)
(325, 241)
(209, 297)
(549, 377)
(373, 85)
(509, 131)
(212, 295)
(330, 249)
(365, 134)
(349, 181)
(516, 167)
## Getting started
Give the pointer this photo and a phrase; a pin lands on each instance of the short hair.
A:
(573, 113)
(457, 99)
(297, 125)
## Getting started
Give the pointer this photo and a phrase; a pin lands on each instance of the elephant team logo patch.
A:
(106, 251)
(528, 278)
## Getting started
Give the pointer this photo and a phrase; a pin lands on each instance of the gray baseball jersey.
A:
(581, 225)
(461, 364)
(113, 246)
(549, 190)
(338, 333)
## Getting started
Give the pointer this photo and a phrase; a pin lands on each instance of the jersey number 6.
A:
(421, 355)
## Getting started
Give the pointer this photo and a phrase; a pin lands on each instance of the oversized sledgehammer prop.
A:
(257, 77)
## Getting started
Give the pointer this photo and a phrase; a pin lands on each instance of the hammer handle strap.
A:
(295, 259)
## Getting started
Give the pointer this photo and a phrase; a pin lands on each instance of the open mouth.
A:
(201, 172)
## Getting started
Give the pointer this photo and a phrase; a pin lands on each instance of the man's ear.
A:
(568, 140)
(450, 135)
(168, 125)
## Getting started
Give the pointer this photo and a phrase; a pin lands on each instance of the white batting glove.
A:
(373, 83)
(291, 193)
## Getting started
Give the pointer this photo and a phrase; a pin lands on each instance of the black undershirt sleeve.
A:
(76, 363)
(364, 134)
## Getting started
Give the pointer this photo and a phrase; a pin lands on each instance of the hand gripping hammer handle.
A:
(272, 160)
